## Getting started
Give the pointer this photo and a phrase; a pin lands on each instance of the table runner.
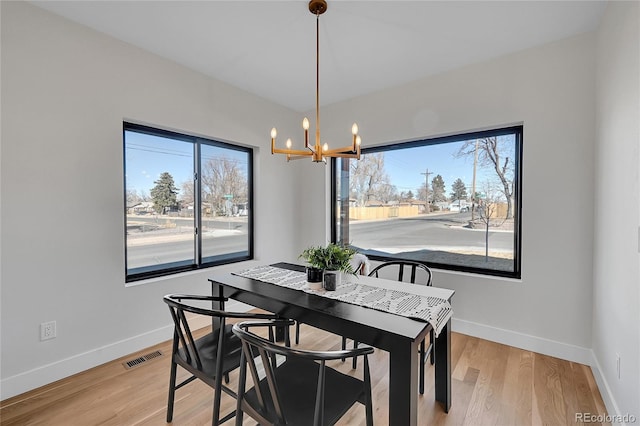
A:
(434, 310)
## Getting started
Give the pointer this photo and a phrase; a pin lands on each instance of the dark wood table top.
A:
(358, 322)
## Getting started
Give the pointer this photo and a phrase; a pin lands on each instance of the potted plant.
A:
(333, 260)
(314, 256)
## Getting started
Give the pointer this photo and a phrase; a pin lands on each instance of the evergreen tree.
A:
(164, 194)
(437, 186)
(458, 190)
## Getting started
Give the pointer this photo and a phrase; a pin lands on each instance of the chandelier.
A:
(318, 151)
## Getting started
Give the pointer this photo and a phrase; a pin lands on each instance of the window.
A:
(188, 202)
(451, 202)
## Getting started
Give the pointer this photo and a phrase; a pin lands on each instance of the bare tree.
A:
(133, 197)
(386, 192)
(423, 191)
(222, 178)
(487, 209)
(494, 152)
(186, 193)
(368, 179)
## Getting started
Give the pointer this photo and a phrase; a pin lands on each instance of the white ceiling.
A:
(268, 47)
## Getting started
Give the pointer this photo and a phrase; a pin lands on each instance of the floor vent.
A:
(141, 360)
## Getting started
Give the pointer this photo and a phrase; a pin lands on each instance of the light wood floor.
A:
(493, 384)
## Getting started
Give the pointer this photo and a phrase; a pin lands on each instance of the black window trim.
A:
(518, 131)
(197, 264)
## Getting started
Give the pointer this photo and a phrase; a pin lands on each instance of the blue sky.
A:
(148, 156)
(405, 167)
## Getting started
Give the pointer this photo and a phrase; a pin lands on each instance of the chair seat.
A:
(207, 347)
(297, 378)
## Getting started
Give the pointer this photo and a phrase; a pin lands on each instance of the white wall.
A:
(65, 92)
(551, 90)
(616, 302)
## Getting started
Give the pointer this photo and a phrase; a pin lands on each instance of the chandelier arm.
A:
(296, 157)
(292, 152)
(341, 155)
(348, 149)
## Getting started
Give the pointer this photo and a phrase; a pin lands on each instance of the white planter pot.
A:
(315, 286)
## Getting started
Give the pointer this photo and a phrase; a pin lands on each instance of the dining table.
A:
(398, 335)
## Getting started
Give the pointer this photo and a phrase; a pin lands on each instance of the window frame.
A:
(197, 263)
(517, 130)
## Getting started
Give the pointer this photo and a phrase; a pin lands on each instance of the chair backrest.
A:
(269, 398)
(414, 272)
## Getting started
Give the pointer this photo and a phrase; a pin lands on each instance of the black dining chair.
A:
(416, 273)
(298, 389)
(210, 357)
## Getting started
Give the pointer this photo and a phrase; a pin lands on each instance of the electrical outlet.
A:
(47, 330)
(618, 365)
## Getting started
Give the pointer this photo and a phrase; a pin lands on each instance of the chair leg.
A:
(344, 345)
(355, 358)
(242, 381)
(217, 390)
(368, 402)
(172, 390)
(287, 337)
(297, 332)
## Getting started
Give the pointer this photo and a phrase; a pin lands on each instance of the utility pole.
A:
(426, 189)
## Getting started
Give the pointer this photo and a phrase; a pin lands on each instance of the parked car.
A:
(458, 207)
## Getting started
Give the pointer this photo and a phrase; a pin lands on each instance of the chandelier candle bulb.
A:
(305, 126)
(274, 133)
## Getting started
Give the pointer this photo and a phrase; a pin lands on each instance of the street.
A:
(432, 232)
(437, 237)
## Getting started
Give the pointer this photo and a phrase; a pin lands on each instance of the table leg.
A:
(443, 367)
(403, 384)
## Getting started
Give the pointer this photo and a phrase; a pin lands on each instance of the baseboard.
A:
(50, 373)
(605, 390)
(40, 376)
(524, 341)
(543, 346)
